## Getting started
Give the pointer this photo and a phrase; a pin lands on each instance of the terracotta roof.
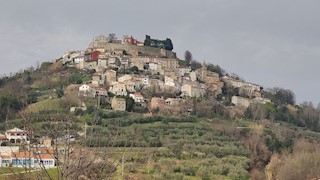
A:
(44, 156)
(22, 155)
(96, 74)
(43, 150)
(100, 89)
(5, 157)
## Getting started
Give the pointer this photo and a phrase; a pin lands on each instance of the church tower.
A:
(204, 71)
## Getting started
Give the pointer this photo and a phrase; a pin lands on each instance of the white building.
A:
(137, 97)
(78, 59)
(18, 136)
(87, 90)
(118, 89)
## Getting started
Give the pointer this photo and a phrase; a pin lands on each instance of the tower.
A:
(204, 71)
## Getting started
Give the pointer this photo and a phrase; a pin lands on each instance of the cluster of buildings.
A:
(114, 62)
(11, 154)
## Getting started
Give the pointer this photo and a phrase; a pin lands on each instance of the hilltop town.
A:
(129, 67)
(132, 109)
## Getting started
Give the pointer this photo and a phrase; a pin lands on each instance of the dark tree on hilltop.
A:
(195, 65)
(112, 37)
(280, 96)
(217, 69)
(188, 57)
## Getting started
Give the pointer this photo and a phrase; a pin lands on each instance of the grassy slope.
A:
(47, 104)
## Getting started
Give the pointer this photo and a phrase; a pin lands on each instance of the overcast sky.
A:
(273, 43)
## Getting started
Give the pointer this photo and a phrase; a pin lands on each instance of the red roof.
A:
(22, 155)
(44, 156)
(6, 157)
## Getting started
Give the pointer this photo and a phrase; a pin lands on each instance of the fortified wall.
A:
(101, 42)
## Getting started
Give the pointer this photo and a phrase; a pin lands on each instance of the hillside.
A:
(144, 117)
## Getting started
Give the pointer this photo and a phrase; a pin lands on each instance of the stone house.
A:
(101, 91)
(125, 62)
(103, 62)
(241, 101)
(172, 82)
(165, 63)
(249, 91)
(192, 90)
(131, 86)
(193, 76)
(144, 80)
(118, 104)
(183, 70)
(156, 102)
(167, 72)
(125, 78)
(238, 83)
(97, 79)
(169, 81)
(156, 82)
(88, 64)
(110, 76)
(114, 62)
(118, 88)
(172, 101)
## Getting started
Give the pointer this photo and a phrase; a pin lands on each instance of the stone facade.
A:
(102, 42)
(241, 101)
(192, 90)
(118, 104)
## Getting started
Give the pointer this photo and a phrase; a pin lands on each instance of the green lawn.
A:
(20, 173)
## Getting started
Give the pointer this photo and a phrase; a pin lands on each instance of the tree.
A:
(129, 103)
(112, 37)
(195, 65)
(280, 96)
(188, 57)
(216, 68)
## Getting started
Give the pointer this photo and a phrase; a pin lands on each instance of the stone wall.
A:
(134, 49)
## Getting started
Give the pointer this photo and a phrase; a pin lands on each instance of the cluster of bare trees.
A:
(302, 163)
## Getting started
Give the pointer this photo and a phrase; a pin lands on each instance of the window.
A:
(5, 161)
